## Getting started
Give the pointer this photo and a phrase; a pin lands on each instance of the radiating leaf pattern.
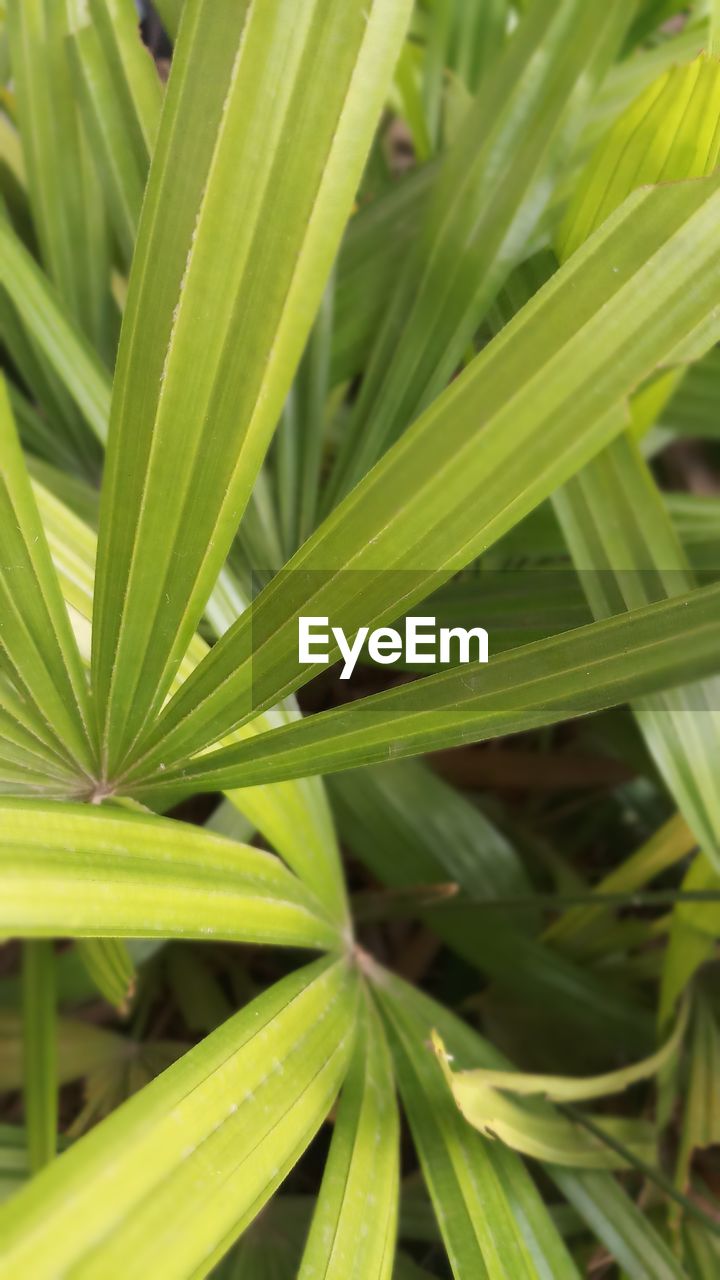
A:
(284, 332)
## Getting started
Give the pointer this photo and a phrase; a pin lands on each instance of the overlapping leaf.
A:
(74, 870)
(64, 192)
(295, 819)
(597, 666)
(616, 527)
(526, 414)
(173, 1176)
(354, 1224)
(36, 642)
(216, 318)
(491, 190)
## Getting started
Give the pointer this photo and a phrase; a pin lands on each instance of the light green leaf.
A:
(628, 554)
(110, 966)
(352, 1235)
(539, 1133)
(172, 1178)
(82, 871)
(490, 192)
(119, 95)
(217, 317)
(692, 937)
(474, 1088)
(77, 366)
(293, 817)
(64, 194)
(36, 640)
(601, 1201)
(492, 1219)
(526, 414)
(135, 76)
(714, 34)
(701, 875)
(614, 521)
(579, 672)
(40, 1082)
(670, 132)
(27, 750)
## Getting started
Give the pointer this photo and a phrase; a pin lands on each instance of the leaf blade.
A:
(488, 1210)
(36, 639)
(292, 93)
(352, 1234)
(578, 672)
(83, 871)
(191, 1160)
(488, 450)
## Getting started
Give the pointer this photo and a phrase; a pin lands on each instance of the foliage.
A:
(253, 370)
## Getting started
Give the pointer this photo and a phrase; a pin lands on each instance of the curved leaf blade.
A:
(566, 1088)
(601, 1201)
(81, 871)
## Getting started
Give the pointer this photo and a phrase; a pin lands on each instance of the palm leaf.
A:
(573, 674)
(173, 1177)
(670, 133)
(535, 405)
(71, 870)
(64, 194)
(486, 202)
(76, 364)
(210, 226)
(36, 640)
(120, 96)
(295, 817)
(354, 1224)
(490, 1214)
(626, 1232)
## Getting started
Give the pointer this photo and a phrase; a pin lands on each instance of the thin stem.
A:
(653, 1175)
(390, 904)
(39, 1051)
